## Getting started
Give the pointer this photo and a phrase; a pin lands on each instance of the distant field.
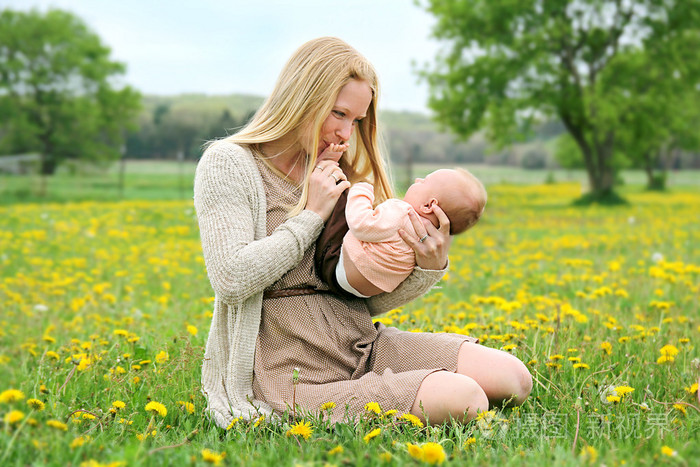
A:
(170, 180)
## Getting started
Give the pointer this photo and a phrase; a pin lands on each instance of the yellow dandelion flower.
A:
(260, 420)
(390, 413)
(156, 408)
(692, 389)
(581, 366)
(187, 406)
(385, 457)
(79, 441)
(118, 404)
(667, 451)
(415, 451)
(336, 450)
(433, 453)
(121, 332)
(372, 434)
(589, 454)
(36, 404)
(212, 457)
(680, 408)
(328, 406)
(233, 422)
(665, 359)
(415, 421)
(52, 355)
(57, 425)
(622, 390)
(669, 350)
(302, 429)
(606, 347)
(613, 399)
(13, 416)
(11, 395)
(373, 407)
(162, 357)
(556, 357)
(192, 330)
(469, 443)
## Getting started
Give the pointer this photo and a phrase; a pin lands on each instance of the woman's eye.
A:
(338, 113)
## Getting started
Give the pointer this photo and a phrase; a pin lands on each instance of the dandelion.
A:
(623, 390)
(613, 399)
(79, 441)
(212, 457)
(162, 357)
(11, 395)
(57, 425)
(336, 450)
(606, 347)
(373, 407)
(302, 429)
(13, 417)
(385, 457)
(556, 357)
(187, 406)
(233, 422)
(667, 451)
(156, 408)
(680, 408)
(415, 451)
(121, 332)
(327, 406)
(469, 443)
(192, 330)
(415, 421)
(260, 420)
(433, 453)
(118, 405)
(52, 355)
(692, 389)
(581, 366)
(589, 454)
(372, 434)
(36, 404)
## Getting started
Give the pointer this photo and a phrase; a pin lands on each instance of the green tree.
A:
(509, 63)
(57, 89)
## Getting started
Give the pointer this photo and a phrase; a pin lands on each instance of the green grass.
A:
(100, 301)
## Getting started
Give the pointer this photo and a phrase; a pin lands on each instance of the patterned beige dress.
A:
(343, 357)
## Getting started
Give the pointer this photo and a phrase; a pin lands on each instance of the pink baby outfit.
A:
(373, 243)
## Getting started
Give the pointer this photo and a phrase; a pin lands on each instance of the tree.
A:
(57, 89)
(510, 63)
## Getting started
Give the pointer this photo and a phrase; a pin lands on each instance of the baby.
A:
(373, 257)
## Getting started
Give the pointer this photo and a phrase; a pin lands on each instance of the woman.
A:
(262, 196)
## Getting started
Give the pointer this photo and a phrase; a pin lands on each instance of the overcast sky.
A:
(239, 46)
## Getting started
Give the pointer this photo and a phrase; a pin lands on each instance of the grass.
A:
(109, 301)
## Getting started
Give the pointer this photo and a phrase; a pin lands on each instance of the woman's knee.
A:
(444, 395)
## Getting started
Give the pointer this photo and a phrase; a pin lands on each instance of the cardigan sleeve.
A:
(227, 197)
(418, 283)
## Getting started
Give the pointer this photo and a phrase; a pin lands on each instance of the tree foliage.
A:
(510, 62)
(58, 90)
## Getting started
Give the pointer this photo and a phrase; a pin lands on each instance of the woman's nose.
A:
(344, 131)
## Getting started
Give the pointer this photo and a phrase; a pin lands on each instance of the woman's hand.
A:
(432, 244)
(326, 184)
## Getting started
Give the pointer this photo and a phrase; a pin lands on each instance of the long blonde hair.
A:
(304, 96)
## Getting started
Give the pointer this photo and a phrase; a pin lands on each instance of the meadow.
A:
(106, 308)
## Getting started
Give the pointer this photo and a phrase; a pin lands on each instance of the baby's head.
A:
(459, 193)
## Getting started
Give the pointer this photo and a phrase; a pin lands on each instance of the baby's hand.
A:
(333, 152)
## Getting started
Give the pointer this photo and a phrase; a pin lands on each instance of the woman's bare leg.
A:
(444, 394)
(502, 376)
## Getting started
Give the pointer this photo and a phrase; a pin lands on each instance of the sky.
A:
(239, 46)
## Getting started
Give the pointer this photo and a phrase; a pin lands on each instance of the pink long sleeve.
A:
(370, 224)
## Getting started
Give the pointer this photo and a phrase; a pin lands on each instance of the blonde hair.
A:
(304, 96)
(465, 205)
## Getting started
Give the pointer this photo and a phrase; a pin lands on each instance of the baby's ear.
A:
(428, 207)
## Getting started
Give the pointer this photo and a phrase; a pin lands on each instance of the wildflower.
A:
(233, 422)
(692, 389)
(162, 357)
(13, 417)
(336, 450)
(187, 406)
(212, 457)
(328, 406)
(11, 395)
(385, 457)
(260, 420)
(589, 454)
(669, 350)
(372, 434)
(415, 421)
(433, 453)
(469, 443)
(373, 407)
(52, 355)
(36, 404)
(118, 405)
(680, 408)
(556, 357)
(302, 429)
(581, 366)
(509, 347)
(415, 451)
(606, 347)
(667, 451)
(390, 413)
(121, 332)
(623, 390)
(156, 408)
(57, 425)
(79, 441)
(613, 399)
(192, 330)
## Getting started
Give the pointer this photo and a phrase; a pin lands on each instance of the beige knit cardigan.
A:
(242, 262)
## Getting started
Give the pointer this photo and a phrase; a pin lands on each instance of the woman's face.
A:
(349, 108)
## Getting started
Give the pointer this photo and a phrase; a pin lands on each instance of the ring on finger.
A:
(335, 178)
(318, 167)
(422, 239)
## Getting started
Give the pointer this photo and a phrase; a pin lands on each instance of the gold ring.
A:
(422, 239)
